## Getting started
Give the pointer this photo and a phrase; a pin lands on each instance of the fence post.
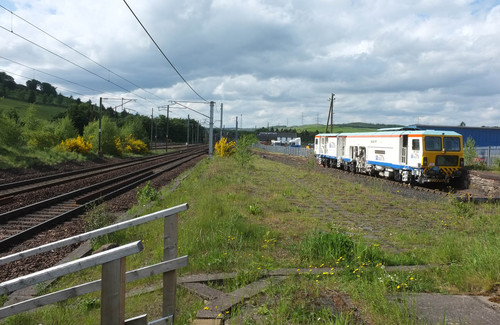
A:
(169, 252)
(113, 292)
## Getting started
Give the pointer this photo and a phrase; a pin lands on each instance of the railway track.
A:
(22, 223)
(431, 192)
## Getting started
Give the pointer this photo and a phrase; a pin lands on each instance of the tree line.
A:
(81, 114)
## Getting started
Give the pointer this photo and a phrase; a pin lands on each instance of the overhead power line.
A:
(27, 78)
(80, 53)
(49, 74)
(161, 51)
(69, 61)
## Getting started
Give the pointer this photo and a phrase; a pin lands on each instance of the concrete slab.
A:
(454, 309)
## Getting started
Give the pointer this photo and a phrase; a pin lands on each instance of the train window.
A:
(415, 144)
(316, 140)
(452, 143)
(433, 143)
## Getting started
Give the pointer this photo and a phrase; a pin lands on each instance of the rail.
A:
(112, 286)
(65, 206)
(293, 151)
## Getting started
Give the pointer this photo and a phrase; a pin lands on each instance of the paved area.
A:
(454, 309)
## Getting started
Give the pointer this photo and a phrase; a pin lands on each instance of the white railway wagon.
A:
(404, 155)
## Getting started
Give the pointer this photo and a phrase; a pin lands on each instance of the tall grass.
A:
(269, 216)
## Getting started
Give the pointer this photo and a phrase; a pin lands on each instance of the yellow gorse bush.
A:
(131, 145)
(224, 148)
(77, 144)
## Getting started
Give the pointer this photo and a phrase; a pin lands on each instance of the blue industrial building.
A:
(483, 136)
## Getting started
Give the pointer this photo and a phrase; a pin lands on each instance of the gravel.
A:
(119, 204)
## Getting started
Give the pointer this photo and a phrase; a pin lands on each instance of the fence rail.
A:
(489, 155)
(293, 151)
(114, 277)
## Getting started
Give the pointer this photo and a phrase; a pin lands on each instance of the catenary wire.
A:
(69, 61)
(49, 74)
(82, 54)
(27, 78)
(161, 51)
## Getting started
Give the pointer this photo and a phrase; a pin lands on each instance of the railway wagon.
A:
(421, 156)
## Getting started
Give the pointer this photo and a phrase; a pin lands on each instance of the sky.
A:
(273, 62)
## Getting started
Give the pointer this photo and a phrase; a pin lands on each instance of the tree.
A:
(33, 84)
(462, 123)
(470, 152)
(48, 89)
(7, 81)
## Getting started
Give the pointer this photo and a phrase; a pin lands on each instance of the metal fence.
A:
(293, 151)
(114, 277)
(488, 155)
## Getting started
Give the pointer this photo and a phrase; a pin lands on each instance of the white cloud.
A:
(275, 61)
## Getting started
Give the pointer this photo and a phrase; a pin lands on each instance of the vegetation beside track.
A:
(263, 215)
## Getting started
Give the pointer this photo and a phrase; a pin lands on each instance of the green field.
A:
(46, 112)
(251, 217)
(348, 127)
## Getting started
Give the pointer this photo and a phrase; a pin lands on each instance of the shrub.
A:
(109, 134)
(41, 137)
(64, 129)
(77, 144)
(470, 154)
(224, 148)
(147, 194)
(10, 132)
(243, 153)
(130, 145)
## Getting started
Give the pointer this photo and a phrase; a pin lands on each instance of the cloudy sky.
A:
(270, 62)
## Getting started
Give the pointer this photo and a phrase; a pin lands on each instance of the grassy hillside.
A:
(46, 112)
(348, 127)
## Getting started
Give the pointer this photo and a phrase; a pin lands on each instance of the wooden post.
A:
(113, 292)
(169, 252)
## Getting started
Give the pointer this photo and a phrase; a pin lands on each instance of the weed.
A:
(147, 194)
(90, 303)
(97, 217)
(462, 209)
(254, 209)
(327, 247)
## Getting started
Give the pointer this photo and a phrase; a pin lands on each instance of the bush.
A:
(243, 153)
(131, 145)
(64, 129)
(224, 148)
(470, 154)
(147, 194)
(42, 137)
(110, 132)
(77, 144)
(10, 132)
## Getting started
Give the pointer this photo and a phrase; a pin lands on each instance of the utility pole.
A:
(166, 131)
(99, 152)
(151, 127)
(187, 140)
(198, 133)
(236, 136)
(221, 108)
(329, 120)
(211, 133)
